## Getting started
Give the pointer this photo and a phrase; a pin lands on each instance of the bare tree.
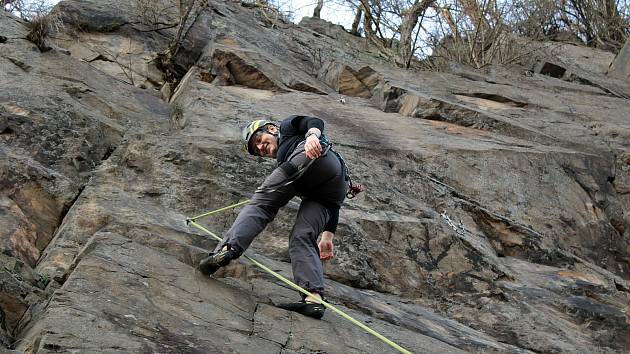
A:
(357, 20)
(27, 9)
(410, 18)
(154, 14)
(599, 22)
(371, 34)
(189, 11)
(318, 8)
(390, 25)
(481, 32)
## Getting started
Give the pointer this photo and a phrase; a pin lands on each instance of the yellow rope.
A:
(295, 286)
(219, 210)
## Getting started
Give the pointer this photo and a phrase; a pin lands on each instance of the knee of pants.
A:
(310, 221)
(303, 236)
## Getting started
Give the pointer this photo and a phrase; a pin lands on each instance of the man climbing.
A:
(309, 168)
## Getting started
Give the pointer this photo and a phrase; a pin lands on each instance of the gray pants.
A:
(322, 186)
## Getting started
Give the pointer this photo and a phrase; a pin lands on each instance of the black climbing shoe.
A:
(214, 261)
(305, 308)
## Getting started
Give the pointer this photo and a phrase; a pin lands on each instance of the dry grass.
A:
(177, 118)
(154, 13)
(40, 29)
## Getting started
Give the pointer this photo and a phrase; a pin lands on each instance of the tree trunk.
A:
(409, 22)
(614, 23)
(564, 17)
(448, 17)
(367, 22)
(318, 8)
(356, 22)
(476, 15)
(369, 33)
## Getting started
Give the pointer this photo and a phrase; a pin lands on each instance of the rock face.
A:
(497, 215)
(620, 67)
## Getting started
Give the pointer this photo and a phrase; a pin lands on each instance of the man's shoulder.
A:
(291, 118)
(286, 125)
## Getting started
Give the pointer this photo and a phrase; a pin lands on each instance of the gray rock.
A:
(495, 219)
(620, 67)
(94, 15)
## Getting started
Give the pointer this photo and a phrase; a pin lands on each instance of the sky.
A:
(341, 15)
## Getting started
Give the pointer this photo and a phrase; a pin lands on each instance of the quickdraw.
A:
(458, 228)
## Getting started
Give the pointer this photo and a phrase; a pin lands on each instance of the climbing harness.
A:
(327, 145)
(292, 178)
(193, 221)
(353, 189)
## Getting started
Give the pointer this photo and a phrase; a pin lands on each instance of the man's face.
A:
(266, 144)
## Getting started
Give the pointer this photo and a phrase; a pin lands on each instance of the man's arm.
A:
(326, 247)
(314, 128)
(300, 125)
(312, 147)
(304, 123)
(310, 127)
(331, 226)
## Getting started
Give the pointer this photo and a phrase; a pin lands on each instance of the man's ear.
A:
(272, 129)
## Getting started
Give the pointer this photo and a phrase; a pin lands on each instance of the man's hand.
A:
(326, 246)
(312, 147)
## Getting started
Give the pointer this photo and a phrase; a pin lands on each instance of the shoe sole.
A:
(315, 311)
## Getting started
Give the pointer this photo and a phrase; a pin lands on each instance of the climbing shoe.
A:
(216, 260)
(309, 309)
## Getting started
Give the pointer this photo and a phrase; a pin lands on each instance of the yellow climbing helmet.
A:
(250, 130)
